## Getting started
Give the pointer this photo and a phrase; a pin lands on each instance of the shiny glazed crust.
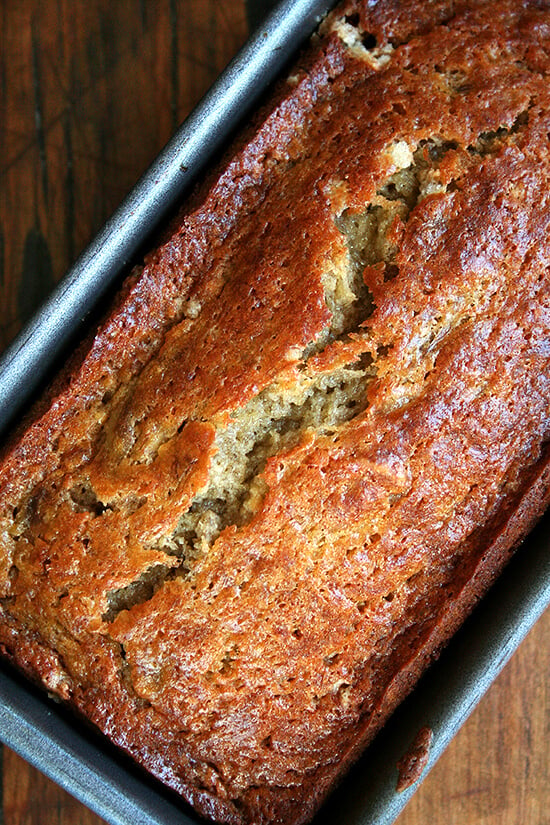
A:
(314, 427)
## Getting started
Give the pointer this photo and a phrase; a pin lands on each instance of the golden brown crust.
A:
(247, 660)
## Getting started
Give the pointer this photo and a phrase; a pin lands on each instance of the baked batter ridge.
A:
(314, 426)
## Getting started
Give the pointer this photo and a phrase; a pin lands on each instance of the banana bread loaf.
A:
(314, 426)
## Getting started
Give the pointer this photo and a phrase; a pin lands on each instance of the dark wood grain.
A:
(497, 769)
(89, 93)
(31, 799)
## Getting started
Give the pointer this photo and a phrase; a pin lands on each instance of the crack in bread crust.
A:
(283, 414)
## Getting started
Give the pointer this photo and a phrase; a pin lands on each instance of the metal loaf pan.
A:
(48, 736)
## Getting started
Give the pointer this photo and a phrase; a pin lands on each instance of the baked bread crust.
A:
(314, 427)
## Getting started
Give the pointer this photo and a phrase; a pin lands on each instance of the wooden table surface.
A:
(89, 93)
